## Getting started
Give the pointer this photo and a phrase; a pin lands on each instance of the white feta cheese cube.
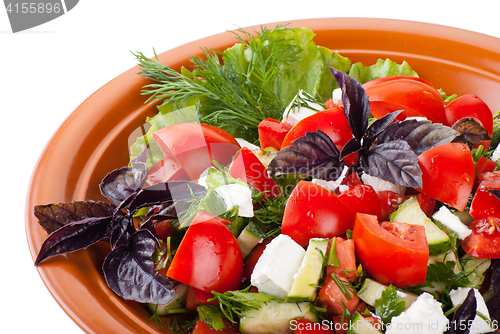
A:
(236, 194)
(332, 185)
(337, 97)
(424, 315)
(448, 219)
(274, 271)
(382, 185)
(479, 325)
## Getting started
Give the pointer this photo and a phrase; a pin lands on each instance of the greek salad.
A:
(282, 188)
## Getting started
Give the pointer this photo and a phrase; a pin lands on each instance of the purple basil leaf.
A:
(378, 127)
(121, 228)
(129, 271)
(313, 154)
(352, 146)
(471, 131)
(54, 216)
(464, 315)
(421, 135)
(165, 192)
(119, 184)
(74, 236)
(493, 303)
(356, 103)
(395, 162)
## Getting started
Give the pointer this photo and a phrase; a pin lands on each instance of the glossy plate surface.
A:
(94, 140)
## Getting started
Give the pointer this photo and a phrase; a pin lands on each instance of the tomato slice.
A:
(195, 297)
(332, 298)
(272, 133)
(362, 198)
(413, 96)
(195, 145)
(347, 259)
(485, 204)
(469, 105)
(370, 83)
(484, 241)
(248, 168)
(401, 253)
(314, 212)
(209, 256)
(331, 121)
(448, 174)
(164, 171)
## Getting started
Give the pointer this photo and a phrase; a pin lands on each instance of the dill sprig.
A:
(234, 89)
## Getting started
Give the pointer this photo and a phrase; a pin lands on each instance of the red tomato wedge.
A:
(164, 171)
(484, 241)
(248, 168)
(448, 174)
(362, 198)
(401, 253)
(347, 259)
(209, 256)
(314, 212)
(195, 297)
(413, 96)
(469, 106)
(485, 204)
(370, 83)
(331, 121)
(335, 300)
(272, 133)
(195, 145)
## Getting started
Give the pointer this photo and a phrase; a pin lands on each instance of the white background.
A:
(47, 71)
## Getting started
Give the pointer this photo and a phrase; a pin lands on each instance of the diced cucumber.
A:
(359, 325)
(248, 239)
(371, 290)
(409, 212)
(274, 318)
(305, 285)
(475, 269)
(176, 302)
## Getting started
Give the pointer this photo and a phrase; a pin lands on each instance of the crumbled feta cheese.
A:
(297, 114)
(332, 185)
(236, 194)
(479, 325)
(337, 97)
(424, 315)
(448, 219)
(274, 271)
(382, 185)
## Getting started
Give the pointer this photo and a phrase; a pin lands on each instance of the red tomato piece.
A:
(164, 171)
(163, 229)
(202, 327)
(195, 145)
(306, 326)
(401, 253)
(252, 258)
(209, 256)
(314, 212)
(347, 259)
(331, 121)
(362, 198)
(389, 202)
(366, 85)
(334, 300)
(413, 96)
(272, 133)
(484, 241)
(247, 167)
(485, 204)
(448, 174)
(483, 165)
(195, 297)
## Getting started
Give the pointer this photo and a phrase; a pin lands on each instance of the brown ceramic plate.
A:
(94, 140)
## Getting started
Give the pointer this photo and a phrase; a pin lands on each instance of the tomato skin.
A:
(469, 105)
(401, 255)
(165, 170)
(413, 96)
(331, 121)
(484, 241)
(448, 174)
(195, 297)
(485, 204)
(163, 229)
(333, 299)
(209, 256)
(314, 212)
(272, 133)
(195, 145)
(362, 198)
(389, 202)
(306, 326)
(202, 327)
(347, 259)
(247, 167)
(370, 83)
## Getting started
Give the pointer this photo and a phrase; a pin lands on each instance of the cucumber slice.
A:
(359, 325)
(274, 318)
(305, 285)
(409, 212)
(248, 239)
(371, 290)
(176, 302)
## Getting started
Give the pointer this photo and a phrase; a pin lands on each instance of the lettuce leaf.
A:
(382, 68)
